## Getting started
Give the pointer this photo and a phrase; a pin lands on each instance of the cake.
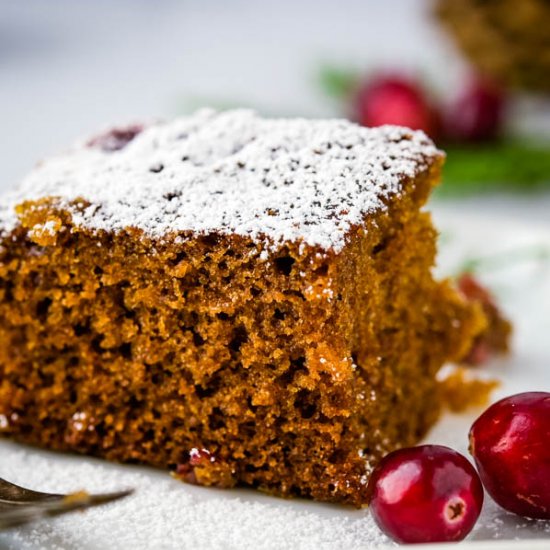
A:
(504, 39)
(243, 301)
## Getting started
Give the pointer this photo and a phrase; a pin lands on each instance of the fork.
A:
(19, 506)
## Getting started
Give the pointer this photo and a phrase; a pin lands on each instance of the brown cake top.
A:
(274, 180)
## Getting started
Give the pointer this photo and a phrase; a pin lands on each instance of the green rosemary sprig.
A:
(513, 165)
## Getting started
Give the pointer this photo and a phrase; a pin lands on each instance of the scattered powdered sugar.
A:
(273, 180)
(166, 514)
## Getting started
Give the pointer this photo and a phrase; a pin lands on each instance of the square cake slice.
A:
(245, 301)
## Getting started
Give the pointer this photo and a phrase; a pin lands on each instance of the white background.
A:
(70, 67)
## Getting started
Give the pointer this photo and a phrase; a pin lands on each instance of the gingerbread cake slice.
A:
(244, 301)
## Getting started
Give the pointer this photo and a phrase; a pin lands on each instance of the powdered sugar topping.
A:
(273, 180)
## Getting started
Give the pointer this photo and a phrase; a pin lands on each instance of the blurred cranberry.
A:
(395, 100)
(494, 339)
(116, 138)
(477, 113)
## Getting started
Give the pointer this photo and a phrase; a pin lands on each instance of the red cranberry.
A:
(395, 100)
(206, 468)
(494, 339)
(425, 494)
(510, 444)
(474, 290)
(116, 139)
(477, 113)
(197, 458)
(200, 456)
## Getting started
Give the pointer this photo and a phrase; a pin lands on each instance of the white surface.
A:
(68, 68)
(167, 514)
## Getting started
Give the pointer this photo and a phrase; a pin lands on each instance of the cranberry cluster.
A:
(474, 113)
(432, 493)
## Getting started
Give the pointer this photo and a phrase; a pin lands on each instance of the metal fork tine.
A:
(23, 514)
(12, 494)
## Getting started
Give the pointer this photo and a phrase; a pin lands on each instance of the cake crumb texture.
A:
(461, 390)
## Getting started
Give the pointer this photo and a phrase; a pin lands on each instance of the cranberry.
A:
(494, 339)
(395, 100)
(198, 458)
(472, 289)
(477, 113)
(116, 139)
(425, 494)
(509, 442)
(203, 467)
